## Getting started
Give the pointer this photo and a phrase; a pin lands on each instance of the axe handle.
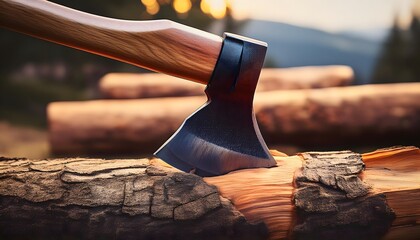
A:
(159, 45)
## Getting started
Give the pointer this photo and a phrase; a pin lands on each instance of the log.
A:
(266, 194)
(113, 199)
(148, 199)
(317, 118)
(153, 85)
(384, 114)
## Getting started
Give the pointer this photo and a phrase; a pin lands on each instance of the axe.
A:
(219, 137)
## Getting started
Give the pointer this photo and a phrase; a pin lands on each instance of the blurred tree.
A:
(400, 58)
(414, 54)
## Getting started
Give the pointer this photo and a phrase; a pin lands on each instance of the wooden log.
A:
(266, 194)
(379, 114)
(151, 85)
(113, 199)
(115, 126)
(386, 114)
(144, 199)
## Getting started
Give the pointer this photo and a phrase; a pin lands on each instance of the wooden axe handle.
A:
(160, 45)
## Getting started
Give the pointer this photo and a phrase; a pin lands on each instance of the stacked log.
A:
(153, 85)
(324, 195)
(379, 114)
(382, 114)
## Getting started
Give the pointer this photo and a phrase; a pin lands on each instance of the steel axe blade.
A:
(223, 134)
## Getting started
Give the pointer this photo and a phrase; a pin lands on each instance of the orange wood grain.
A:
(263, 194)
(395, 172)
(161, 45)
(266, 194)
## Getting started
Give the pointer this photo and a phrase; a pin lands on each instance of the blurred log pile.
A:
(375, 196)
(155, 85)
(388, 114)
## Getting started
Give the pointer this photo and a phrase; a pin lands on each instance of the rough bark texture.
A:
(383, 114)
(266, 194)
(113, 199)
(129, 86)
(332, 200)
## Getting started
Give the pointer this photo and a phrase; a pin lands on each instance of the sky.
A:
(328, 15)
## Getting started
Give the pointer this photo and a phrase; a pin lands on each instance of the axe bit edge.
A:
(223, 134)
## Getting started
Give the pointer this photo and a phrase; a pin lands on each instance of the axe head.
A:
(223, 134)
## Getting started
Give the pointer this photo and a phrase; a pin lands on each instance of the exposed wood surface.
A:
(382, 114)
(148, 85)
(265, 194)
(396, 173)
(162, 46)
(145, 198)
(113, 199)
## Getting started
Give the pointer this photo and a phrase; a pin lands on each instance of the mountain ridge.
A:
(290, 46)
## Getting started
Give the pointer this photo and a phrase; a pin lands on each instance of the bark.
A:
(129, 86)
(147, 199)
(344, 204)
(113, 199)
(380, 114)
(329, 185)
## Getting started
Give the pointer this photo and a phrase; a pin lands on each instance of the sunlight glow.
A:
(205, 7)
(148, 2)
(327, 15)
(216, 8)
(152, 6)
(182, 6)
(152, 10)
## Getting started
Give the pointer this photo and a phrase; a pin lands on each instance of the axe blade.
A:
(223, 134)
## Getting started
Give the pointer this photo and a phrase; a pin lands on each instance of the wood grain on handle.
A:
(159, 45)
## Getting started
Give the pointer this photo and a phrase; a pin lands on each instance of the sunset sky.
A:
(330, 15)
